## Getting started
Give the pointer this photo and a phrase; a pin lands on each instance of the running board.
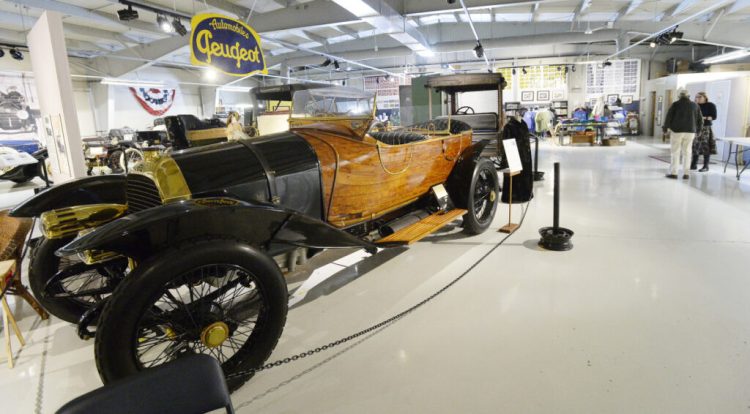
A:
(422, 228)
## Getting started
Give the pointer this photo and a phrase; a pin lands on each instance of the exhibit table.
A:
(739, 148)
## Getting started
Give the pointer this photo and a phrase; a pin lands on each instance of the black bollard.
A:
(556, 238)
(538, 176)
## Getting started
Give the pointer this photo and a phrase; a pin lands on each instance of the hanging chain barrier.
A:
(394, 318)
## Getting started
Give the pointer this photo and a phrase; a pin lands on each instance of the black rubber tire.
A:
(473, 224)
(118, 325)
(44, 264)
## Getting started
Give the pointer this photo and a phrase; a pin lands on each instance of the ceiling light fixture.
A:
(336, 65)
(127, 14)
(326, 62)
(16, 54)
(523, 70)
(513, 71)
(478, 50)
(210, 74)
(652, 44)
(573, 68)
(179, 27)
(164, 24)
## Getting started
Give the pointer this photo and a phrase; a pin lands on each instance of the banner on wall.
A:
(226, 44)
(155, 101)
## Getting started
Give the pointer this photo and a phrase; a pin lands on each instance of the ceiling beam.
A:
(626, 10)
(737, 6)
(579, 10)
(71, 10)
(147, 55)
(679, 8)
(716, 19)
(427, 7)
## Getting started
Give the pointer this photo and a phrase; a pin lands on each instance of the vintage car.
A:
(23, 173)
(186, 258)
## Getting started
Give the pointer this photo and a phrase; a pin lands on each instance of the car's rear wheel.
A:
(482, 198)
(217, 297)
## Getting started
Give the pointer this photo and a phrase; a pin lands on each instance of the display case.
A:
(561, 108)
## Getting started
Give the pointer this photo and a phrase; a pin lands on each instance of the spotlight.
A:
(16, 54)
(326, 62)
(607, 63)
(209, 74)
(164, 24)
(513, 71)
(2, 53)
(675, 36)
(566, 70)
(179, 27)
(573, 68)
(652, 44)
(127, 14)
(559, 68)
(348, 68)
(336, 65)
(523, 70)
(478, 50)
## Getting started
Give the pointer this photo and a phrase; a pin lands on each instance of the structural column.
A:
(49, 60)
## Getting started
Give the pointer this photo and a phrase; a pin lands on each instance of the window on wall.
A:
(543, 77)
(621, 78)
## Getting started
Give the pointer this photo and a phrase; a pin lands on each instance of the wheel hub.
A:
(215, 334)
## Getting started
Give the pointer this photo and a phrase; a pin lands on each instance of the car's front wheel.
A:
(81, 288)
(482, 198)
(217, 297)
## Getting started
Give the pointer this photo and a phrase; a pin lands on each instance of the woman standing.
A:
(704, 143)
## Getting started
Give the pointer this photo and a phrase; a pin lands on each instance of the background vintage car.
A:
(181, 259)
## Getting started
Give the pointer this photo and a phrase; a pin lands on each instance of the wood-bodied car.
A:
(181, 259)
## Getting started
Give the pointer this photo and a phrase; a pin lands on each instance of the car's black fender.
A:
(104, 189)
(140, 235)
(459, 180)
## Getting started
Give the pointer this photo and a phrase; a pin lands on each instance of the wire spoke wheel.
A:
(218, 297)
(133, 159)
(67, 297)
(209, 310)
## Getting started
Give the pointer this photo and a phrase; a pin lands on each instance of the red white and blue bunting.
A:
(155, 101)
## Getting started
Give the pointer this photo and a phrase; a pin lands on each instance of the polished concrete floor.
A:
(649, 313)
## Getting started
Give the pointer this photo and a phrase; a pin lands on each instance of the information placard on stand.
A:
(514, 168)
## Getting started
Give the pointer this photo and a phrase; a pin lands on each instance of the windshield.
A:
(341, 102)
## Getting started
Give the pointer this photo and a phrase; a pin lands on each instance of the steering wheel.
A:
(464, 110)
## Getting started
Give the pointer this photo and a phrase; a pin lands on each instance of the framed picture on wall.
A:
(592, 102)
(542, 95)
(627, 99)
(558, 95)
(612, 98)
(527, 96)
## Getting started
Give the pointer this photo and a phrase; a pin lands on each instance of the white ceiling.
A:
(297, 32)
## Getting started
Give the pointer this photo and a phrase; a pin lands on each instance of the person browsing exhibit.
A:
(684, 119)
(704, 143)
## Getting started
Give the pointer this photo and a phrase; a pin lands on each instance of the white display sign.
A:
(511, 153)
